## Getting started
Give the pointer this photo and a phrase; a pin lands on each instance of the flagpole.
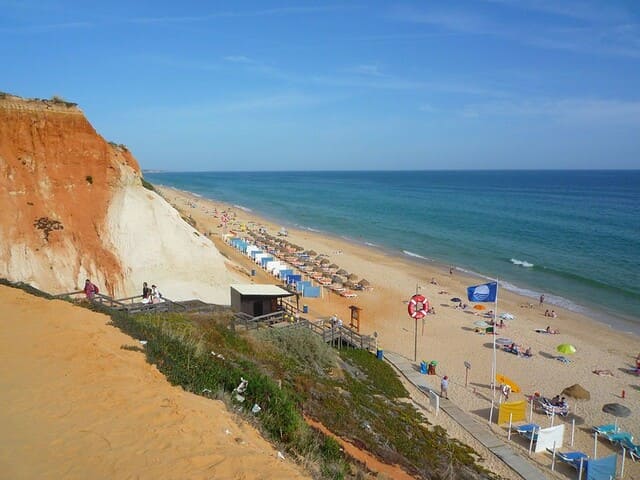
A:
(495, 326)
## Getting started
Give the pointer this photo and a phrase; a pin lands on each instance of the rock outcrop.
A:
(74, 207)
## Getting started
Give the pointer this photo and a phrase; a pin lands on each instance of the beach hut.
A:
(255, 299)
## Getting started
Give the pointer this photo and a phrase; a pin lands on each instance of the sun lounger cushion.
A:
(573, 458)
(609, 427)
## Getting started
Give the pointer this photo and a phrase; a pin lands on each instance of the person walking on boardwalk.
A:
(90, 289)
(444, 387)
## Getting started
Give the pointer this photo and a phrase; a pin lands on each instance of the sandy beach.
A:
(449, 337)
(76, 405)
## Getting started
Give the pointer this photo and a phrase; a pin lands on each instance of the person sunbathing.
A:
(549, 330)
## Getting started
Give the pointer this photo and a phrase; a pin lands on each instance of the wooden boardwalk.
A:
(338, 336)
(518, 463)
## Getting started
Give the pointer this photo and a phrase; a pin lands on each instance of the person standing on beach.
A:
(541, 299)
(444, 387)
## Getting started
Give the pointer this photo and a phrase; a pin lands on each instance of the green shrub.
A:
(148, 185)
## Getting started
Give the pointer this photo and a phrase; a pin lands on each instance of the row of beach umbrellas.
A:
(320, 262)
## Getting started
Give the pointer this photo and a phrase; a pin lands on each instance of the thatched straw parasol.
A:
(342, 271)
(349, 284)
(364, 282)
(352, 277)
(310, 253)
(333, 265)
(317, 268)
(324, 261)
(577, 391)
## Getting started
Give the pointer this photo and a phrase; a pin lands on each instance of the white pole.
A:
(531, 409)
(580, 472)
(595, 445)
(494, 364)
(510, 418)
(491, 412)
(553, 457)
(624, 454)
(553, 415)
(573, 430)
(533, 433)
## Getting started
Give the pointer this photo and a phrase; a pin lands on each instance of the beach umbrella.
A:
(616, 410)
(352, 276)
(504, 380)
(333, 265)
(455, 299)
(577, 391)
(324, 261)
(507, 316)
(317, 268)
(337, 279)
(504, 341)
(364, 282)
(479, 307)
(310, 252)
(481, 324)
(342, 271)
(566, 348)
(348, 284)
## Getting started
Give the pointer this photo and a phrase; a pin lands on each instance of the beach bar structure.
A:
(256, 300)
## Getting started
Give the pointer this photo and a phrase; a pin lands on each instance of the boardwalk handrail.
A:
(337, 333)
(120, 304)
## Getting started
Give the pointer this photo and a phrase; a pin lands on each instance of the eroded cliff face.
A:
(64, 212)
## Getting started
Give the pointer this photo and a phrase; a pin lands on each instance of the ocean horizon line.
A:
(444, 170)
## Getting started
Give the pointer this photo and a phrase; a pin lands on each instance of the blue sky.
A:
(484, 84)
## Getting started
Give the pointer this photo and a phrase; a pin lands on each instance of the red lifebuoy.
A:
(418, 307)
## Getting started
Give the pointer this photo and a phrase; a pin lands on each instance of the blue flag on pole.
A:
(486, 292)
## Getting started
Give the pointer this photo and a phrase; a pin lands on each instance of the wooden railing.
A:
(128, 304)
(335, 335)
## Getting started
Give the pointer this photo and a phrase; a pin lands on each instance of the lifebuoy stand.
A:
(355, 317)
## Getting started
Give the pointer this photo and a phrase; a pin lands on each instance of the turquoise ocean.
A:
(573, 235)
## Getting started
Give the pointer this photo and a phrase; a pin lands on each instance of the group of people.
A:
(558, 401)
(550, 313)
(517, 350)
(151, 295)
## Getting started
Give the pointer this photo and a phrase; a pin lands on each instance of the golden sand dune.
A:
(74, 404)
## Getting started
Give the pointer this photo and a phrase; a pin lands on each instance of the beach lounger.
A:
(348, 294)
(608, 428)
(550, 409)
(632, 449)
(573, 458)
(618, 437)
(528, 430)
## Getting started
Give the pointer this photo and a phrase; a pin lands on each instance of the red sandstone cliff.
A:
(62, 188)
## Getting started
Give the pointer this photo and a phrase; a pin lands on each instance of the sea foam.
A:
(415, 255)
(245, 209)
(522, 263)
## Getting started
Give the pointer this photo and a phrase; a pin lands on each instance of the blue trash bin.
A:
(423, 367)
(380, 354)
(305, 308)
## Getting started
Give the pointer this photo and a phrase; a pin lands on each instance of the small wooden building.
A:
(257, 300)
